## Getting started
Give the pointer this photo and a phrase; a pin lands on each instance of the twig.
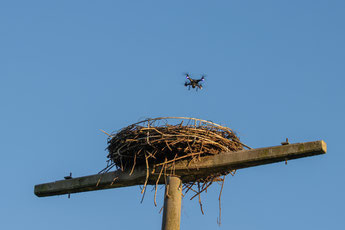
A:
(189, 187)
(115, 178)
(219, 198)
(99, 180)
(147, 174)
(135, 158)
(168, 146)
(179, 158)
(232, 172)
(142, 198)
(159, 176)
(148, 133)
(200, 191)
(202, 211)
(106, 133)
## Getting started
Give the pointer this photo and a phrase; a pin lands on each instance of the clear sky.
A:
(275, 69)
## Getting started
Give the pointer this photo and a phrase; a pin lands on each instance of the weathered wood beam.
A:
(188, 171)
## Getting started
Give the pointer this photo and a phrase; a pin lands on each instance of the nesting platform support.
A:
(172, 204)
(187, 172)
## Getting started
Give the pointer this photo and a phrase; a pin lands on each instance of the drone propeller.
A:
(187, 75)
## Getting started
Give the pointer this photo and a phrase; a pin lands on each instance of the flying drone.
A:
(195, 83)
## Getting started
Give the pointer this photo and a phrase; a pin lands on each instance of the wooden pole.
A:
(172, 204)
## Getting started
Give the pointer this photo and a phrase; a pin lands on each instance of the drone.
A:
(195, 83)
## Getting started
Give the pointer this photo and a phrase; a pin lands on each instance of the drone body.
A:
(195, 83)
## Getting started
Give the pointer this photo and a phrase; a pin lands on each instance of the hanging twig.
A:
(142, 198)
(219, 199)
(189, 187)
(147, 174)
(134, 161)
(200, 191)
(202, 211)
(159, 176)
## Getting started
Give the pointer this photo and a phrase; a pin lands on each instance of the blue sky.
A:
(275, 69)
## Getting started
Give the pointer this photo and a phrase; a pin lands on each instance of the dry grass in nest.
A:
(167, 140)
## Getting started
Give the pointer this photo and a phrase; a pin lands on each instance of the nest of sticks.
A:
(167, 140)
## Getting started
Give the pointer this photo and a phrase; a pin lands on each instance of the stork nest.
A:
(157, 142)
(167, 140)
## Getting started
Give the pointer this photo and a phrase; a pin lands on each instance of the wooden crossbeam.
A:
(187, 171)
